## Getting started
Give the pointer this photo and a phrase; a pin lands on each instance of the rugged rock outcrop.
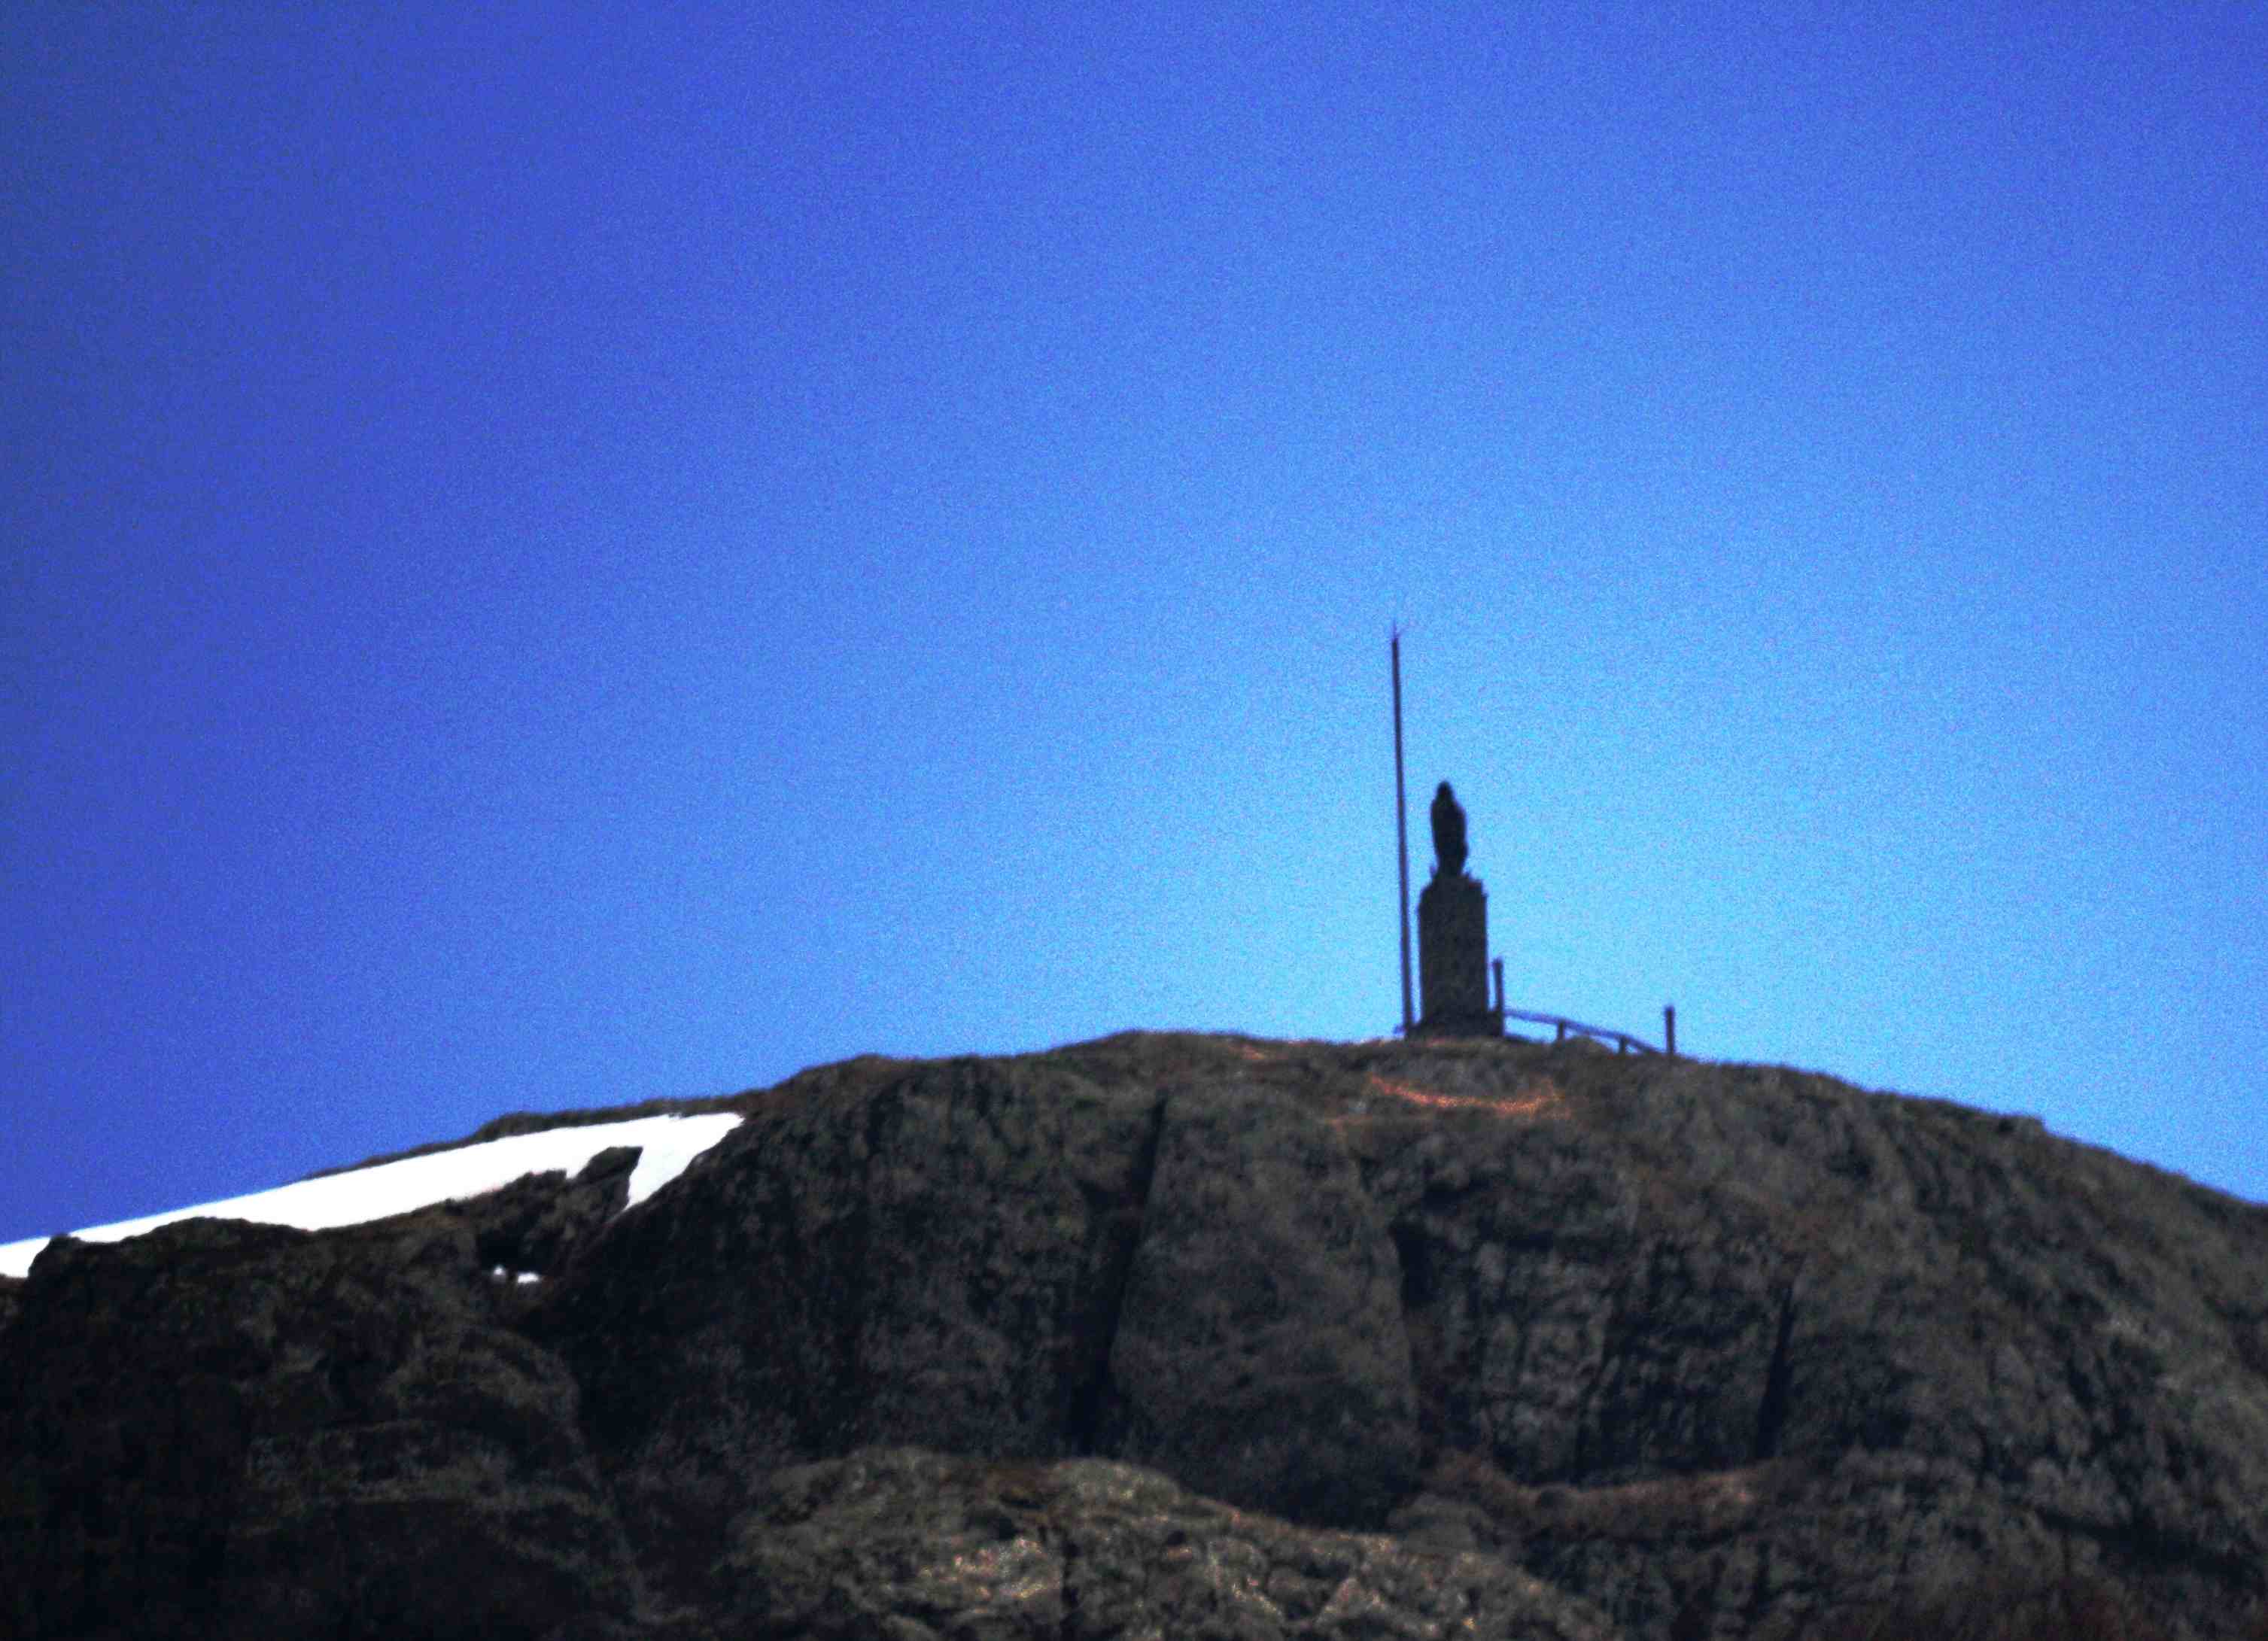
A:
(536, 1226)
(1260, 1353)
(1928, 1346)
(223, 1429)
(1183, 1336)
(935, 1261)
(1086, 1549)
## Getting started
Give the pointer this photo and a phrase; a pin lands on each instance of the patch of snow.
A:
(666, 1146)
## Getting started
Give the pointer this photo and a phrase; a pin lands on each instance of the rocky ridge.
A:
(1178, 1335)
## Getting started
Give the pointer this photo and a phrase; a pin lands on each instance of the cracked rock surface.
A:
(225, 1429)
(1260, 1354)
(1171, 1334)
(914, 1544)
(937, 1260)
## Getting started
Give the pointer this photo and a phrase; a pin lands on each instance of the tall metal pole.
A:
(1402, 832)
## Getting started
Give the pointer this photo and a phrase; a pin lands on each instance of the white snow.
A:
(666, 1146)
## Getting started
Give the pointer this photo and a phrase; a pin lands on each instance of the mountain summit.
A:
(1185, 1337)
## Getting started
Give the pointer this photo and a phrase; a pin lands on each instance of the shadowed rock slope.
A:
(1181, 1336)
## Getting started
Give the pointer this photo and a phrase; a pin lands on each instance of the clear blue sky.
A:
(553, 560)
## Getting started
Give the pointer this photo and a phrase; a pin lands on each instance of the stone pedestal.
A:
(1453, 959)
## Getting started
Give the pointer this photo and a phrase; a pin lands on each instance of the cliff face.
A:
(1178, 1335)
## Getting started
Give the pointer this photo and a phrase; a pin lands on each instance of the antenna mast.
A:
(1401, 828)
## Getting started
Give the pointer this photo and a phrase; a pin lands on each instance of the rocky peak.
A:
(1205, 1334)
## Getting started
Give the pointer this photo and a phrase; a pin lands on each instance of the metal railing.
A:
(1623, 1041)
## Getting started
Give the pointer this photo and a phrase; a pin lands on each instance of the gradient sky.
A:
(549, 560)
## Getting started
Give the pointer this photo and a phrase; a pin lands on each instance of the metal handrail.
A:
(1622, 1040)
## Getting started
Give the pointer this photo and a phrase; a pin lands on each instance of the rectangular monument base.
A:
(1452, 960)
(1458, 1026)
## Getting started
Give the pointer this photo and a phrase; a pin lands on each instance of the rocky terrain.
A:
(1170, 1336)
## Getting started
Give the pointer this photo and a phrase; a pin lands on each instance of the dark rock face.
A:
(1260, 1355)
(1757, 1348)
(1089, 1550)
(223, 1429)
(1118, 1339)
(940, 1260)
(540, 1222)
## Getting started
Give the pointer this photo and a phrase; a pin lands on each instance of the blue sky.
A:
(551, 559)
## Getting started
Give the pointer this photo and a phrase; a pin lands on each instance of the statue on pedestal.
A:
(1453, 935)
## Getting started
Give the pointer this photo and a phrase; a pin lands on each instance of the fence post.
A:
(1670, 1028)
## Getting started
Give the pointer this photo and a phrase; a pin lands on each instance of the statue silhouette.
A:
(1449, 833)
